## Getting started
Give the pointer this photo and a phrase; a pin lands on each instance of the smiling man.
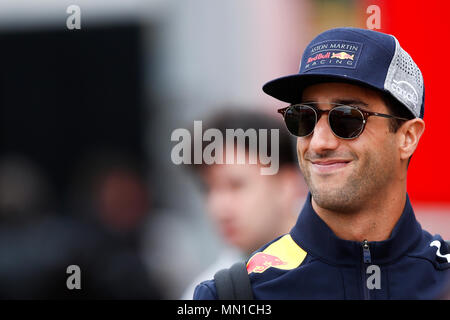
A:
(357, 108)
(343, 173)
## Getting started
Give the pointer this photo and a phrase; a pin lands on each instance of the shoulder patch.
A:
(282, 254)
(437, 244)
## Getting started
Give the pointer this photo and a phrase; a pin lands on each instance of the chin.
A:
(233, 239)
(337, 200)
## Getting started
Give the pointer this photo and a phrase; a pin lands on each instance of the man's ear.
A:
(409, 135)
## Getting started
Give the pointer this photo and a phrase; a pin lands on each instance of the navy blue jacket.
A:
(311, 262)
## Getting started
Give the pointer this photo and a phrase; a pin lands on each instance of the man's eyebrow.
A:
(351, 102)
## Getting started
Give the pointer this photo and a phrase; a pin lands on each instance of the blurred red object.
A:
(422, 28)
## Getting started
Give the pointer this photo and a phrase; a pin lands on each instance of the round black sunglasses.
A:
(346, 122)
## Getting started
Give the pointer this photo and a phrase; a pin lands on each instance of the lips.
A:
(329, 165)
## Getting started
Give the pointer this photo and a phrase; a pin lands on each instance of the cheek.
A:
(302, 145)
(255, 194)
(213, 205)
(390, 156)
(378, 157)
(258, 198)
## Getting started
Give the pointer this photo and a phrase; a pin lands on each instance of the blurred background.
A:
(86, 175)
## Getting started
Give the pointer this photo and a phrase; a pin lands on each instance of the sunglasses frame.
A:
(318, 112)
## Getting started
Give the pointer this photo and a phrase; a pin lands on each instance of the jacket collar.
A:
(315, 237)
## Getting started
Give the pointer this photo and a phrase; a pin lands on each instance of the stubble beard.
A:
(359, 188)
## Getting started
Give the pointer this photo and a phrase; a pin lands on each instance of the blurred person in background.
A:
(25, 193)
(246, 207)
(99, 234)
(31, 244)
(111, 201)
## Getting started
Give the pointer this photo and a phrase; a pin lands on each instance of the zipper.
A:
(366, 260)
(366, 252)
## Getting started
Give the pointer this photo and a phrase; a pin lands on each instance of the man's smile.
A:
(327, 166)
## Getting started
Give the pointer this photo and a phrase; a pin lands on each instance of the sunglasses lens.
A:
(346, 122)
(300, 120)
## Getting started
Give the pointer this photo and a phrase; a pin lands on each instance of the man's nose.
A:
(322, 138)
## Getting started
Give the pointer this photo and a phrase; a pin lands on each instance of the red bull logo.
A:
(318, 57)
(342, 55)
(261, 261)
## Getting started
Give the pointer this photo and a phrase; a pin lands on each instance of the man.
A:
(240, 200)
(357, 107)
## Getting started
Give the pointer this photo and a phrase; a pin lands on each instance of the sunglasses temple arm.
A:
(389, 116)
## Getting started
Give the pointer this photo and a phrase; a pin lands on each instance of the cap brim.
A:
(290, 88)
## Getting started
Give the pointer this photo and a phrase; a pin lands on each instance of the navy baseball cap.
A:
(358, 56)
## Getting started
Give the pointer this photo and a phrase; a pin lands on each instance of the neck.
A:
(374, 222)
